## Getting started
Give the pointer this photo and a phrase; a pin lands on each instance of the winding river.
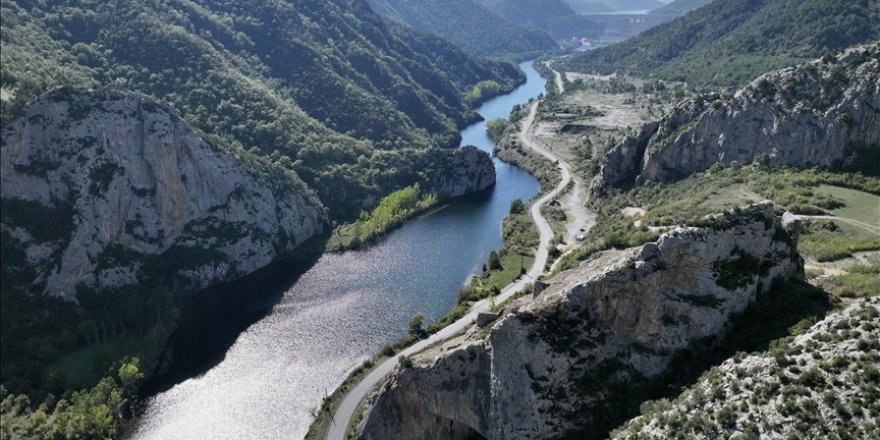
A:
(315, 326)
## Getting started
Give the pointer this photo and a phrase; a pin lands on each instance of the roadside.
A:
(349, 405)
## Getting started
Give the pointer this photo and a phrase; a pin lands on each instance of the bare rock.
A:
(820, 113)
(550, 369)
(107, 189)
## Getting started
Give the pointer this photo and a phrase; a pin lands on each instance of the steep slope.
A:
(103, 190)
(467, 24)
(819, 113)
(588, 6)
(730, 42)
(564, 364)
(552, 16)
(631, 5)
(822, 384)
(326, 83)
(678, 7)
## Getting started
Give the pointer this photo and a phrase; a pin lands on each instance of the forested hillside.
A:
(468, 25)
(680, 6)
(729, 42)
(631, 5)
(552, 16)
(284, 117)
(325, 83)
(588, 6)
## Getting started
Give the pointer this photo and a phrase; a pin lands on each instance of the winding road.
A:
(346, 410)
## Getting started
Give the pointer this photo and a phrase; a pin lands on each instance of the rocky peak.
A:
(470, 170)
(554, 365)
(819, 113)
(103, 189)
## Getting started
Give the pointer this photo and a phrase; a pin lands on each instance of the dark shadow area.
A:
(214, 318)
(769, 318)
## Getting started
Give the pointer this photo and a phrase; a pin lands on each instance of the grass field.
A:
(858, 205)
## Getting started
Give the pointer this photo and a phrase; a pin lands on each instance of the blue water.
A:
(342, 310)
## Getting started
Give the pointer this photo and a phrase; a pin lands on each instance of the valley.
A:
(473, 219)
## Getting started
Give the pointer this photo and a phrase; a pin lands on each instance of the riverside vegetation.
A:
(837, 205)
(342, 108)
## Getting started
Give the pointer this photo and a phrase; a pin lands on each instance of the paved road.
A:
(347, 408)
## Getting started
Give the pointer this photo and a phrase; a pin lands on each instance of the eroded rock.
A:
(555, 367)
(104, 189)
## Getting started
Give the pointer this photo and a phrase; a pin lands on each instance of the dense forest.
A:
(325, 90)
(588, 7)
(469, 25)
(680, 6)
(729, 42)
(552, 16)
(329, 87)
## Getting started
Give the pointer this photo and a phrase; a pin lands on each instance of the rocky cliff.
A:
(104, 189)
(816, 114)
(821, 384)
(469, 170)
(558, 365)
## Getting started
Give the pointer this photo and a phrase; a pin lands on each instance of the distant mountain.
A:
(552, 16)
(467, 24)
(678, 7)
(328, 84)
(588, 6)
(729, 42)
(631, 5)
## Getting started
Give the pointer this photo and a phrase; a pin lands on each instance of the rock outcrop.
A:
(469, 170)
(821, 384)
(104, 189)
(817, 114)
(556, 365)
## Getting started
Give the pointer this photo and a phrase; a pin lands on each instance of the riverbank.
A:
(320, 324)
(347, 408)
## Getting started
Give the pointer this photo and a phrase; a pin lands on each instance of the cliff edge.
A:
(555, 365)
(820, 113)
(103, 189)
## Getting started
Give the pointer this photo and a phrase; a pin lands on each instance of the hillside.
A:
(678, 7)
(467, 24)
(822, 113)
(326, 83)
(573, 359)
(821, 384)
(552, 16)
(588, 6)
(631, 5)
(730, 42)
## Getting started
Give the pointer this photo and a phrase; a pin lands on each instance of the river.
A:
(313, 327)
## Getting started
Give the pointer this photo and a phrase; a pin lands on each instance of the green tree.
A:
(517, 206)
(495, 128)
(415, 326)
(494, 261)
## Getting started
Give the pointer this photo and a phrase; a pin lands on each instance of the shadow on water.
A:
(214, 318)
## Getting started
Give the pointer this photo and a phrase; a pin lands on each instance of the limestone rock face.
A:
(831, 369)
(816, 114)
(553, 367)
(105, 189)
(471, 170)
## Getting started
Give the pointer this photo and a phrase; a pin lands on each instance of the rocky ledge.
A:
(556, 365)
(824, 384)
(470, 170)
(820, 113)
(105, 189)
